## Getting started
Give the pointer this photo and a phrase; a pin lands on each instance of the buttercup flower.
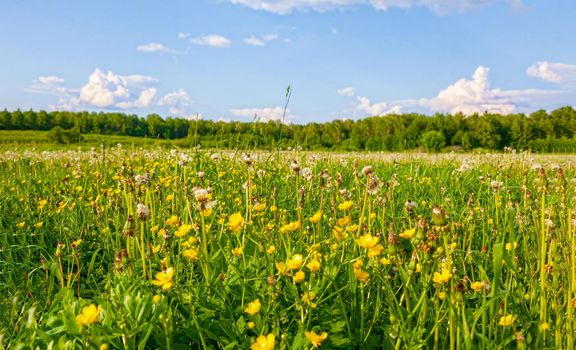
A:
(253, 307)
(235, 222)
(316, 339)
(90, 314)
(164, 279)
(264, 342)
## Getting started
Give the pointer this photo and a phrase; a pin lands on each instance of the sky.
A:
(234, 59)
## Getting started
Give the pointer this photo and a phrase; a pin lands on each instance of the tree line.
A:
(540, 131)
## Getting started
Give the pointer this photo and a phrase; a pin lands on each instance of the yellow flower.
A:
(314, 265)
(362, 276)
(442, 277)
(157, 298)
(375, 251)
(367, 241)
(273, 208)
(264, 342)
(545, 326)
(344, 221)
(385, 261)
(172, 221)
(290, 227)
(510, 246)
(42, 203)
(299, 276)
(271, 249)
(442, 295)
(345, 206)
(259, 207)
(339, 233)
(250, 325)
(89, 315)
(21, 224)
(190, 254)
(358, 264)
(477, 286)
(316, 217)
(183, 230)
(206, 212)
(235, 222)
(253, 307)
(307, 298)
(164, 279)
(169, 198)
(39, 224)
(237, 251)
(295, 262)
(76, 243)
(507, 320)
(316, 339)
(408, 233)
(281, 267)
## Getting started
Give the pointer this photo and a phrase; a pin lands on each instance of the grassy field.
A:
(150, 248)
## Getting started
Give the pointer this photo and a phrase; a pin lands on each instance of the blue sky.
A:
(233, 59)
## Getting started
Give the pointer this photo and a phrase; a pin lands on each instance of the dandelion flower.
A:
(408, 233)
(290, 227)
(316, 339)
(345, 206)
(39, 224)
(237, 251)
(264, 342)
(90, 314)
(253, 307)
(172, 221)
(183, 230)
(316, 217)
(442, 277)
(235, 222)
(477, 286)
(21, 224)
(164, 279)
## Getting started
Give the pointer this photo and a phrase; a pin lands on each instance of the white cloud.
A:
(347, 91)
(178, 102)
(50, 85)
(254, 41)
(111, 90)
(264, 114)
(212, 40)
(283, 7)
(560, 73)
(475, 96)
(183, 35)
(154, 47)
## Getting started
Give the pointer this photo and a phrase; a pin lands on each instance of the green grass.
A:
(484, 260)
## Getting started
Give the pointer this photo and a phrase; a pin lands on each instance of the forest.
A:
(540, 131)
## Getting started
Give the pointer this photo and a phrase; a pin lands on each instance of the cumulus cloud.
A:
(346, 91)
(254, 41)
(264, 114)
(475, 95)
(177, 101)
(183, 35)
(111, 90)
(283, 7)
(154, 47)
(211, 40)
(560, 73)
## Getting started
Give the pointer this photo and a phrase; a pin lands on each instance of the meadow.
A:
(135, 248)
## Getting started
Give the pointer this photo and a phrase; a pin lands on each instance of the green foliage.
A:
(433, 141)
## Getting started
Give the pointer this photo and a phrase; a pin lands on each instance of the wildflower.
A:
(164, 279)
(408, 233)
(235, 222)
(345, 206)
(250, 325)
(308, 297)
(75, 244)
(367, 241)
(157, 298)
(21, 224)
(237, 251)
(271, 249)
(104, 346)
(362, 276)
(316, 339)
(290, 227)
(253, 307)
(281, 267)
(442, 295)
(316, 217)
(442, 277)
(295, 262)
(172, 221)
(510, 246)
(142, 211)
(183, 230)
(344, 221)
(39, 224)
(314, 265)
(273, 208)
(507, 320)
(339, 233)
(258, 207)
(169, 198)
(201, 195)
(264, 342)
(477, 286)
(190, 254)
(299, 276)
(42, 203)
(375, 251)
(545, 326)
(385, 261)
(90, 314)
